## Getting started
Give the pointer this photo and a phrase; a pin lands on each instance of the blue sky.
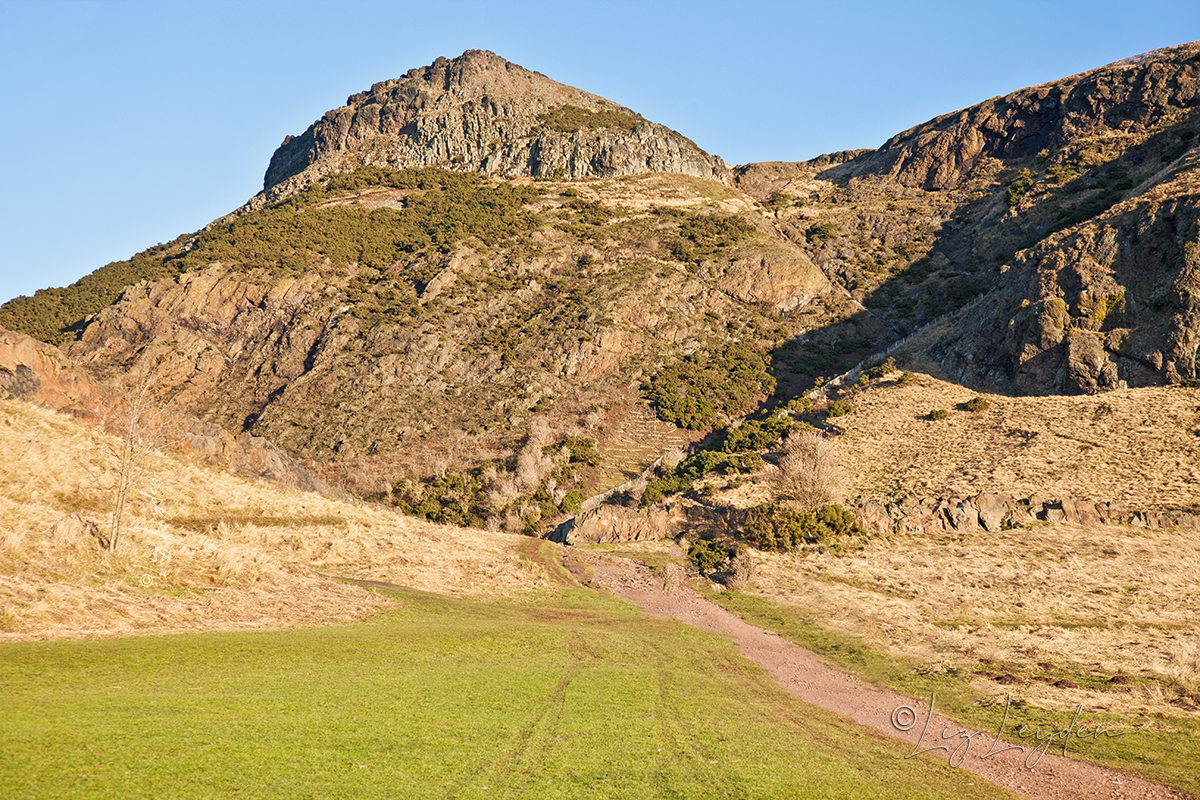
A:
(126, 123)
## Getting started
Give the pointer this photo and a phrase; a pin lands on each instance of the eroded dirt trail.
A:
(1051, 777)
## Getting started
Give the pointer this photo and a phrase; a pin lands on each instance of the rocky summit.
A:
(481, 113)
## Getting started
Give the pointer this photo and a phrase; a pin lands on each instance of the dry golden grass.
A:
(205, 549)
(1052, 601)
(643, 192)
(1058, 604)
(1136, 445)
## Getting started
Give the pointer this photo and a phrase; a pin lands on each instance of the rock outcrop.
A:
(993, 512)
(618, 524)
(1112, 302)
(481, 113)
(39, 373)
(1134, 96)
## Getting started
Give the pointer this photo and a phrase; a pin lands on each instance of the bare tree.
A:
(137, 424)
(809, 476)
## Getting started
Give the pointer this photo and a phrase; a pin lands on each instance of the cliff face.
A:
(1052, 232)
(1111, 302)
(1132, 97)
(483, 114)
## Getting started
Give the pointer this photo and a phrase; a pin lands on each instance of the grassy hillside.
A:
(1136, 445)
(203, 549)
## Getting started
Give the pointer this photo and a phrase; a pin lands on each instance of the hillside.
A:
(392, 345)
(203, 549)
(458, 292)
(1067, 210)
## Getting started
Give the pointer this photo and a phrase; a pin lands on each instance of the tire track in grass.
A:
(503, 773)
(680, 748)
(530, 745)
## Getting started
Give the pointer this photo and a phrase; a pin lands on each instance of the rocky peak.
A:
(1130, 98)
(482, 113)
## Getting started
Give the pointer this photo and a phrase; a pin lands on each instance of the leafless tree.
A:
(809, 476)
(138, 427)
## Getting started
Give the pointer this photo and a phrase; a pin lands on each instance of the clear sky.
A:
(125, 123)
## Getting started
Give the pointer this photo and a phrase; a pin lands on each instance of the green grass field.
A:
(567, 696)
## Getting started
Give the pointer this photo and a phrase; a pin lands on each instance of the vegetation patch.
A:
(571, 119)
(777, 526)
(694, 390)
(702, 236)
(299, 233)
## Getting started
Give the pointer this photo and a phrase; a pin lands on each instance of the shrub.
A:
(839, 408)
(708, 556)
(757, 434)
(884, 369)
(1020, 187)
(572, 501)
(819, 233)
(938, 414)
(580, 450)
(775, 526)
(800, 406)
(692, 391)
(978, 404)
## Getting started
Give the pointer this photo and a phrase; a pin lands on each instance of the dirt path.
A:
(1047, 776)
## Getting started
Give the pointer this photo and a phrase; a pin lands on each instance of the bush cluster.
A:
(709, 555)
(682, 477)
(701, 236)
(819, 233)
(774, 526)
(977, 404)
(570, 119)
(757, 434)
(839, 408)
(691, 392)
(299, 233)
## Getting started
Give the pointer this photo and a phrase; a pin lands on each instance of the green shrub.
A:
(691, 392)
(938, 414)
(819, 233)
(757, 434)
(977, 404)
(708, 556)
(1020, 187)
(774, 526)
(839, 408)
(572, 501)
(882, 370)
(800, 406)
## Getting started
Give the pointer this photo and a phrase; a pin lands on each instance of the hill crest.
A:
(481, 113)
